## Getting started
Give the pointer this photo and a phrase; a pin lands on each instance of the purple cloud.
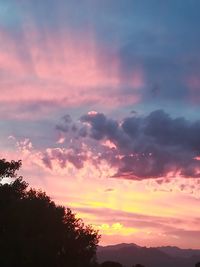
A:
(151, 146)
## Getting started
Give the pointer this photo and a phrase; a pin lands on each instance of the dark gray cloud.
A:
(63, 157)
(101, 125)
(66, 123)
(152, 146)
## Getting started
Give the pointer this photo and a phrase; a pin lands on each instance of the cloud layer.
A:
(111, 55)
(69, 57)
(141, 147)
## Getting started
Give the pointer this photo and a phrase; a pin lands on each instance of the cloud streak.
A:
(68, 69)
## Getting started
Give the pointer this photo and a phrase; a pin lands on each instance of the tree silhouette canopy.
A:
(34, 231)
(8, 169)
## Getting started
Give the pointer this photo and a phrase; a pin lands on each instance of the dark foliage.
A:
(8, 169)
(34, 231)
(197, 264)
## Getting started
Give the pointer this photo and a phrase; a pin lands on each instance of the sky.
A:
(100, 100)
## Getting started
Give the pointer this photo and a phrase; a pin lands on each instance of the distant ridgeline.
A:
(129, 255)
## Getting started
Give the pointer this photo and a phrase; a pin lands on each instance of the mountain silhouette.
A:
(178, 252)
(130, 254)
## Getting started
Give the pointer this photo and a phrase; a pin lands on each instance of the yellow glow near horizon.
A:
(115, 228)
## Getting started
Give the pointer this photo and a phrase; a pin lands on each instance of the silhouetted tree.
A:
(8, 169)
(110, 264)
(197, 264)
(35, 232)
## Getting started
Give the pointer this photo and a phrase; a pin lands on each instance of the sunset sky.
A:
(101, 101)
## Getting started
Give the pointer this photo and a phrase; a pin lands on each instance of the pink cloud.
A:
(66, 69)
(168, 219)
